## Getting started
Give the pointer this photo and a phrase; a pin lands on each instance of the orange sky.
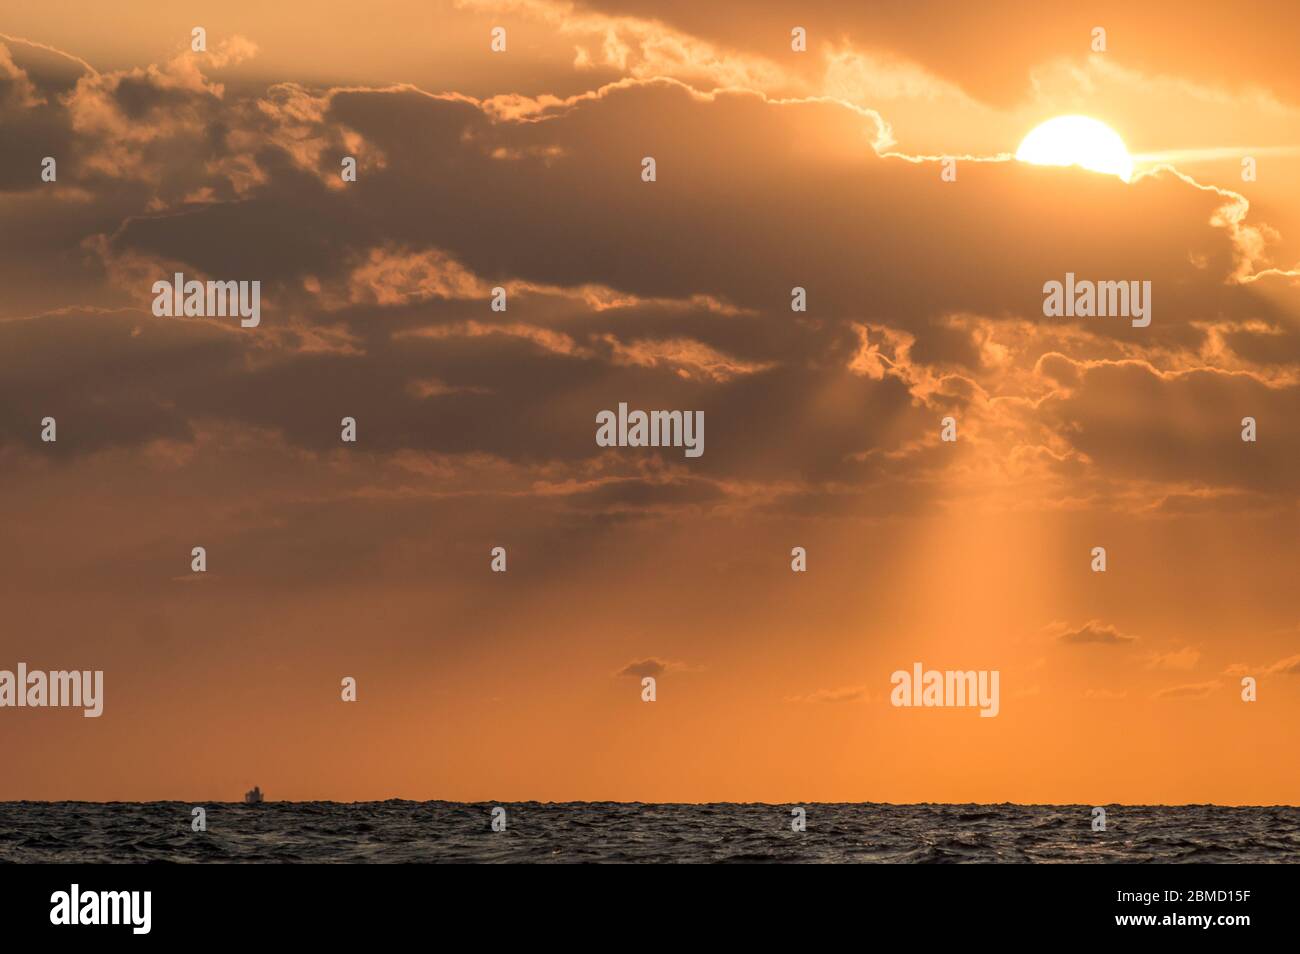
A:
(476, 428)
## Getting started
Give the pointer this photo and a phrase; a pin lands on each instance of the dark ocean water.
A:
(401, 831)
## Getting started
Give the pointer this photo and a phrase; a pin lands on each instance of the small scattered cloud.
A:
(1104, 694)
(1195, 690)
(842, 694)
(650, 666)
(1093, 631)
(1178, 660)
(1289, 666)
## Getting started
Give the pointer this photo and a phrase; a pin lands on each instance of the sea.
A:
(435, 831)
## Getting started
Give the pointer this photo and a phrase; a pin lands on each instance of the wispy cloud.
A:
(842, 694)
(1195, 690)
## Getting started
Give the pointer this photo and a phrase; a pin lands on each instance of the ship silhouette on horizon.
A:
(253, 796)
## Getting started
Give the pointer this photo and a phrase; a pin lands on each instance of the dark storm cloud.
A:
(375, 292)
(989, 49)
(35, 124)
(743, 209)
(106, 378)
(1132, 420)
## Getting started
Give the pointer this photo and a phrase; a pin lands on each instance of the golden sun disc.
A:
(1077, 141)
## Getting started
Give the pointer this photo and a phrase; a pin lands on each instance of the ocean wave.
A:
(406, 831)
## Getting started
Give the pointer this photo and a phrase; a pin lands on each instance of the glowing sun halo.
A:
(1077, 141)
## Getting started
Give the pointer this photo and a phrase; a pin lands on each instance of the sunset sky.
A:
(523, 169)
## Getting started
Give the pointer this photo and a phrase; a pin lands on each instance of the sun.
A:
(1077, 141)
